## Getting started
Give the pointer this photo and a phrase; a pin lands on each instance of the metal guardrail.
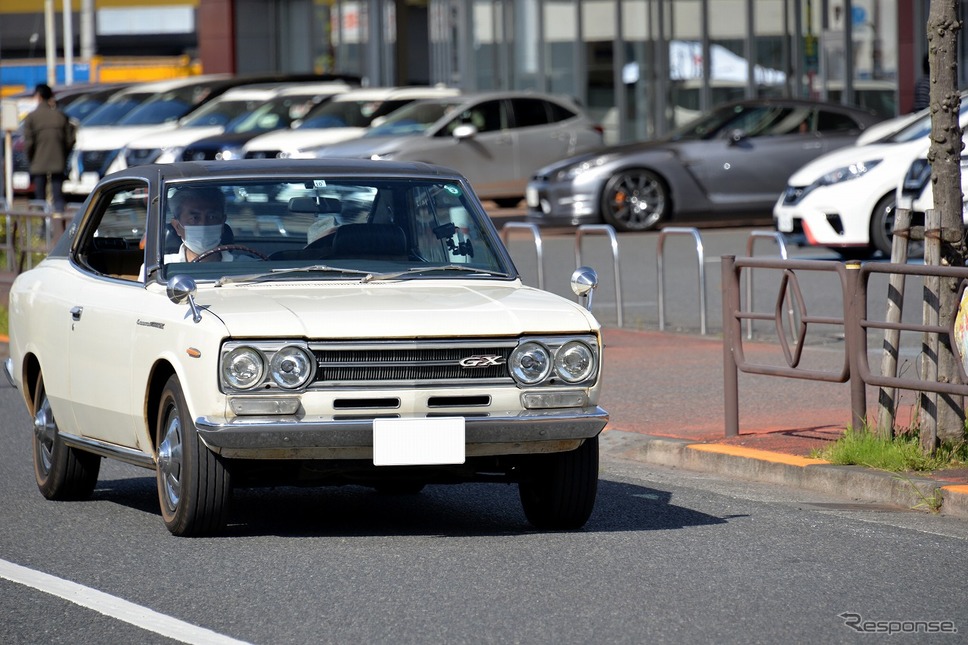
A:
(608, 230)
(538, 245)
(855, 369)
(700, 257)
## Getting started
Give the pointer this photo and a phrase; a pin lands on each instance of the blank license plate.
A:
(418, 442)
(21, 181)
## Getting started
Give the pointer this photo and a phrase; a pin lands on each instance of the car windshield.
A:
(165, 107)
(751, 120)
(920, 128)
(274, 114)
(327, 228)
(347, 114)
(116, 108)
(220, 113)
(413, 119)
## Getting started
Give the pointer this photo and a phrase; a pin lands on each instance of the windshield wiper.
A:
(418, 270)
(316, 268)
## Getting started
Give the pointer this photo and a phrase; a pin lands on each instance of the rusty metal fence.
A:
(29, 233)
(854, 279)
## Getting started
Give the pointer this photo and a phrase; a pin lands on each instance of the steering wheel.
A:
(231, 247)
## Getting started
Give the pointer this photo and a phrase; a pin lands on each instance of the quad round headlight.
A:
(291, 367)
(243, 368)
(574, 362)
(530, 363)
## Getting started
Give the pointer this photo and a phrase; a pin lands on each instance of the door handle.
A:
(76, 313)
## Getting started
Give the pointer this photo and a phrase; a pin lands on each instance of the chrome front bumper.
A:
(290, 438)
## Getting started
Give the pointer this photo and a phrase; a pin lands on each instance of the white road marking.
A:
(114, 607)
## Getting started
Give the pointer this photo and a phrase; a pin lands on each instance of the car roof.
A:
(863, 115)
(275, 168)
(387, 93)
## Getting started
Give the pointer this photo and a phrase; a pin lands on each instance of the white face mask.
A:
(202, 238)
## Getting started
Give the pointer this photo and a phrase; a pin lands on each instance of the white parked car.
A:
(346, 117)
(845, 200)
(134, 112)
(278, 322)
(914, 191)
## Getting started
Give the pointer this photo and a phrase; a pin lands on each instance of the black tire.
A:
(559, 491)
(635, 200)
(194, 486)
(882, 225)
(62, 472)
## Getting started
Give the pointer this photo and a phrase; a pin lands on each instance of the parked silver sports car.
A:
(735, 160)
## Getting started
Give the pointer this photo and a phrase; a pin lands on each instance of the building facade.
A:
(640, 66)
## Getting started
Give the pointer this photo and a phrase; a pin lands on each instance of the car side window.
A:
(529, 112)
(835, 122)
(559, 112)
(486, 117)
(111, 240)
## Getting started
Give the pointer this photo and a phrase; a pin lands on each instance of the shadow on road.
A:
(467, 510)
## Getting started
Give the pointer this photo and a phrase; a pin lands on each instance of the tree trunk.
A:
(945, 158)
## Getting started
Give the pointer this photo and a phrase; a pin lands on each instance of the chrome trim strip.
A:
(110, 450)
(328, 438)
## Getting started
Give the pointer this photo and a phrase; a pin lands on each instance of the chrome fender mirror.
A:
(583, 283)
(181, 289)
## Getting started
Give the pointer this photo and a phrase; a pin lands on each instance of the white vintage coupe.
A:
(327, 322)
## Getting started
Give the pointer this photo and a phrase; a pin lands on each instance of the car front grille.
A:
(95, 160)
(262, 154)
(412, 363)
(140, 156)
(199, 154)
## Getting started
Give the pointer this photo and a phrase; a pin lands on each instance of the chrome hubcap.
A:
(170, 461)
(45, 431)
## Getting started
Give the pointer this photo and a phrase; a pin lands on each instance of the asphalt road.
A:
(666, 557)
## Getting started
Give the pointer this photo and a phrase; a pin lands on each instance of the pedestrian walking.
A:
(922, 87)
(48, 139)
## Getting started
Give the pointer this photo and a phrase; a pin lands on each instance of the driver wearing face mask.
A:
(199, 216)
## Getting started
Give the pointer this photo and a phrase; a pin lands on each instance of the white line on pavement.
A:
(114, 607)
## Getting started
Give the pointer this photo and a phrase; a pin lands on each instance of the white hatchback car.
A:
(275, 322)
(845, 200)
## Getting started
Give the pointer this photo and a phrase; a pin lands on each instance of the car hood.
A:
(418, 308)
(302, 138)
(841, 157)
(115, 137)
(366, 146)
(177, 137)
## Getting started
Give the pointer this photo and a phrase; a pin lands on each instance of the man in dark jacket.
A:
(48, 140)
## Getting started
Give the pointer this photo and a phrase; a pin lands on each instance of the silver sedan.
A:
(732, 161)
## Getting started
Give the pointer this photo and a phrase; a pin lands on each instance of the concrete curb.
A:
(856, 482)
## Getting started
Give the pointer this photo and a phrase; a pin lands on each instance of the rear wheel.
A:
(560, 489)
(61, 472)
(635, 200)
(193, 484)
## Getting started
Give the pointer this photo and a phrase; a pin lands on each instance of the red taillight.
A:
(599, 129)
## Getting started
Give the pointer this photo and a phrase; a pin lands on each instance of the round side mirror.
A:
(181, 288)
(583, 281)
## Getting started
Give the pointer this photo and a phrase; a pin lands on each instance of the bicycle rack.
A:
(700, 257)
(603, 229)
(781, 244)
(538, 245)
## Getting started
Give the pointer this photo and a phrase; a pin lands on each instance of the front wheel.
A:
(559, 490)
(193, 483)
(62, 472)
(635, 200)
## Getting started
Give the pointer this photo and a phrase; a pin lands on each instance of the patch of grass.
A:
(902, 454)
(4, 322)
